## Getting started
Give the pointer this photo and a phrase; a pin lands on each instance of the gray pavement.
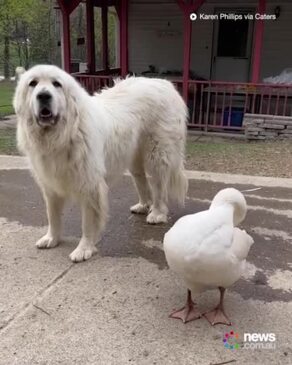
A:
(8, 122)
(114, 308)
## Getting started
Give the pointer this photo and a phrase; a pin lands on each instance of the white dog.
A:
(77, 144)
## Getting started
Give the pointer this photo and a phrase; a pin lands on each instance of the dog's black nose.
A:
(44, 96)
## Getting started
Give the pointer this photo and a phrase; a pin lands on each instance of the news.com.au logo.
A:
(251, 341)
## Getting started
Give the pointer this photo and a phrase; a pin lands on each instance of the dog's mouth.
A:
(46, 118)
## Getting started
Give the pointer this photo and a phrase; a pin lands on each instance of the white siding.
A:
(156, 36)
(277, 48)
(146, 46)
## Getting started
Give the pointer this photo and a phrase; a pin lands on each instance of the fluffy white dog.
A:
(78, 144)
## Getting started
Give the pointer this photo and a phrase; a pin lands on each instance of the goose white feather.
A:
(206, 249)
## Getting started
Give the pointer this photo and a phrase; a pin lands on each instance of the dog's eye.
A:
(57, 84)
(33, 83)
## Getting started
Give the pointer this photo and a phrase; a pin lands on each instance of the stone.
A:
(269, 133)
(251, 133)
(288, 131)
(273, 126)
(285, 135)
(256, 137)
(254, 129)
(258, 121)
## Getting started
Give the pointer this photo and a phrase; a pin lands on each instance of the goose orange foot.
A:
(189, 312)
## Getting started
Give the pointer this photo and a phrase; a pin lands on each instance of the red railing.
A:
(219, 106)
(94, 83)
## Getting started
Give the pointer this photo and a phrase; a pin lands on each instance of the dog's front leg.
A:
(94, 213)
(54, 205)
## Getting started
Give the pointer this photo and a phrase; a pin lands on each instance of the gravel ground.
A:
(240, 157)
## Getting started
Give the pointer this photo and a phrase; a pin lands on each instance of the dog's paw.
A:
(140, 208)
(47, 241)
(82, 253)
(156, 218)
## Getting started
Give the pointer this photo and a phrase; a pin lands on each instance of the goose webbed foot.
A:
(217, 315)
(189, 312)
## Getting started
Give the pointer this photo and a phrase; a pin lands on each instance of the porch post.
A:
(104, 19)
(66, 10)
(90, 43)
(65, 36)
(124, 37)
(188, 8)
(258, 43)
(187, 54)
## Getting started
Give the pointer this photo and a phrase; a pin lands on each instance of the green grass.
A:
(8, 142)
(210, 147)
(225, 146)
(6, 95)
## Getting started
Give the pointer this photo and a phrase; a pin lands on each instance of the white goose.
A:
(207, 251)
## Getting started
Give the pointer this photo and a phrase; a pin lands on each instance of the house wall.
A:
(156, 36)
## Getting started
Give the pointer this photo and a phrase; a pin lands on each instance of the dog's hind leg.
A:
(159, 186)
(94, 213)
(142, 186)
(54, 205)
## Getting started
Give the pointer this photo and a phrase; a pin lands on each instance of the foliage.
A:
(30, 34)
(27, 33)
(6, 95)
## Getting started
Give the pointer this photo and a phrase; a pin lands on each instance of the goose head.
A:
(235, 198)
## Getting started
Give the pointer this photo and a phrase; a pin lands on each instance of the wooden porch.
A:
(213, 105)
(186, 7)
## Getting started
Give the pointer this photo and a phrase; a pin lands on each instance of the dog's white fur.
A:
(139, 124)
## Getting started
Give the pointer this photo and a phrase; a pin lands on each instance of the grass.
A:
(6, 95)
(8, 142)
(240, 157)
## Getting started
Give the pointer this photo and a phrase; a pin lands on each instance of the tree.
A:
(10, 12)
(27, 32)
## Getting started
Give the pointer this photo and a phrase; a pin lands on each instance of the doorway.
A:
(232, 47)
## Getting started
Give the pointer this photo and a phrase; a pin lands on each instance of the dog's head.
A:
(45, 95)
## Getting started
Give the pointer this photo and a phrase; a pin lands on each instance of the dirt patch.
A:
(240, 157)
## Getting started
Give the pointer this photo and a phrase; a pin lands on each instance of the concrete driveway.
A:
(114, 308)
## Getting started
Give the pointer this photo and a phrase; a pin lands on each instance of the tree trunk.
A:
(26, 47)
(26, 55)
(6, 57)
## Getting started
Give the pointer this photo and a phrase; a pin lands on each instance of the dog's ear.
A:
(72, 106)
(19, 95)
(72, 91)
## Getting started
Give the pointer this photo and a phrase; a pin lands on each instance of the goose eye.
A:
(57, 84)
(33, 83)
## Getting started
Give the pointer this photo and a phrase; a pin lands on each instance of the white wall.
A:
(156, 36)
(146, 45)
(277, 48)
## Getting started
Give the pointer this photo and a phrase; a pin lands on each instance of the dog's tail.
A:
(178, 185)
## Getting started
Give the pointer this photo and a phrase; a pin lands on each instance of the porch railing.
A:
(219, 106)
(94, 83)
